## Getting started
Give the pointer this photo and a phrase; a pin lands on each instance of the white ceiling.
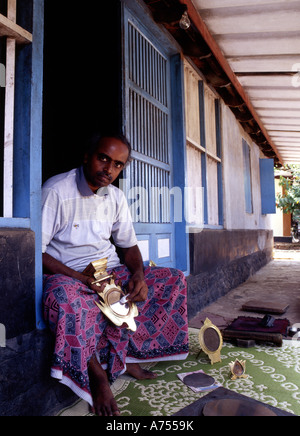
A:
(261, 41)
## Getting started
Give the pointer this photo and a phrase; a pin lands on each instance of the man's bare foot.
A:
(104, 402)
(139, 373)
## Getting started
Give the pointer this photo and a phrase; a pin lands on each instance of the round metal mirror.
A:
(211, 341)
(113, 298)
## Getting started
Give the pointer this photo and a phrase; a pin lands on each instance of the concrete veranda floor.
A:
(279, 281)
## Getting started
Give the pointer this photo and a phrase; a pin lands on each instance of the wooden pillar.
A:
(9, 115)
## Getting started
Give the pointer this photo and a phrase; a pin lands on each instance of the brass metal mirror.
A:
(238, 369)
(211, 341)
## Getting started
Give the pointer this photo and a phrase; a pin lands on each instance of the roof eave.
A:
(199, 45)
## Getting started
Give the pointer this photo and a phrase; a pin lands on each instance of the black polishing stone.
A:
(199, 380)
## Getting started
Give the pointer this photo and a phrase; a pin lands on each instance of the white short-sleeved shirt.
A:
(77, 224)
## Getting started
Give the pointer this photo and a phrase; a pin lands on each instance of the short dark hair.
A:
(94, 141)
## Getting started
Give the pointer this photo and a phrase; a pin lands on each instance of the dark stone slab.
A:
(216, 248)
(196, 408)
(17, 272)
(206, 288)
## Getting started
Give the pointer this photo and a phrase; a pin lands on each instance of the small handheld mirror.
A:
(238, 369)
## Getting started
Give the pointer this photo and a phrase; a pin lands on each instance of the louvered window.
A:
(204, 151)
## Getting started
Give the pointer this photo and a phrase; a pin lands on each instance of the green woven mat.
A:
(274, 379)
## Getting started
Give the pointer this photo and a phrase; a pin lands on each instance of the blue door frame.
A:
(28, 140)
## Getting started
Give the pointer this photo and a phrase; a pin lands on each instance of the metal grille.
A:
(148, 129)
(151, 190)
(147, 66)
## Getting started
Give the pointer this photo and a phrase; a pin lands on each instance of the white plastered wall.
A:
(233, 177)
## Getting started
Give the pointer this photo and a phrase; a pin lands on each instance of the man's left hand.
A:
(138, 290)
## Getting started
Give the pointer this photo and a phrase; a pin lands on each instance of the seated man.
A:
(82, 210)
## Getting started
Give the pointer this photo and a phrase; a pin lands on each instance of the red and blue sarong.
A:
(81, 330)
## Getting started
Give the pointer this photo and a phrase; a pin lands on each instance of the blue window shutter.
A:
(267, 185)
(247, 177)
(220, 169)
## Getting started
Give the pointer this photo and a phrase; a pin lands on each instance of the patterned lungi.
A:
(81, 330)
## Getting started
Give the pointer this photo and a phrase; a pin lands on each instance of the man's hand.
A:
(94, 287)
(98, 287)
(53, 266)
(137, 288)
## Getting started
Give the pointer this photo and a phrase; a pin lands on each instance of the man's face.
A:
(104, 166)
